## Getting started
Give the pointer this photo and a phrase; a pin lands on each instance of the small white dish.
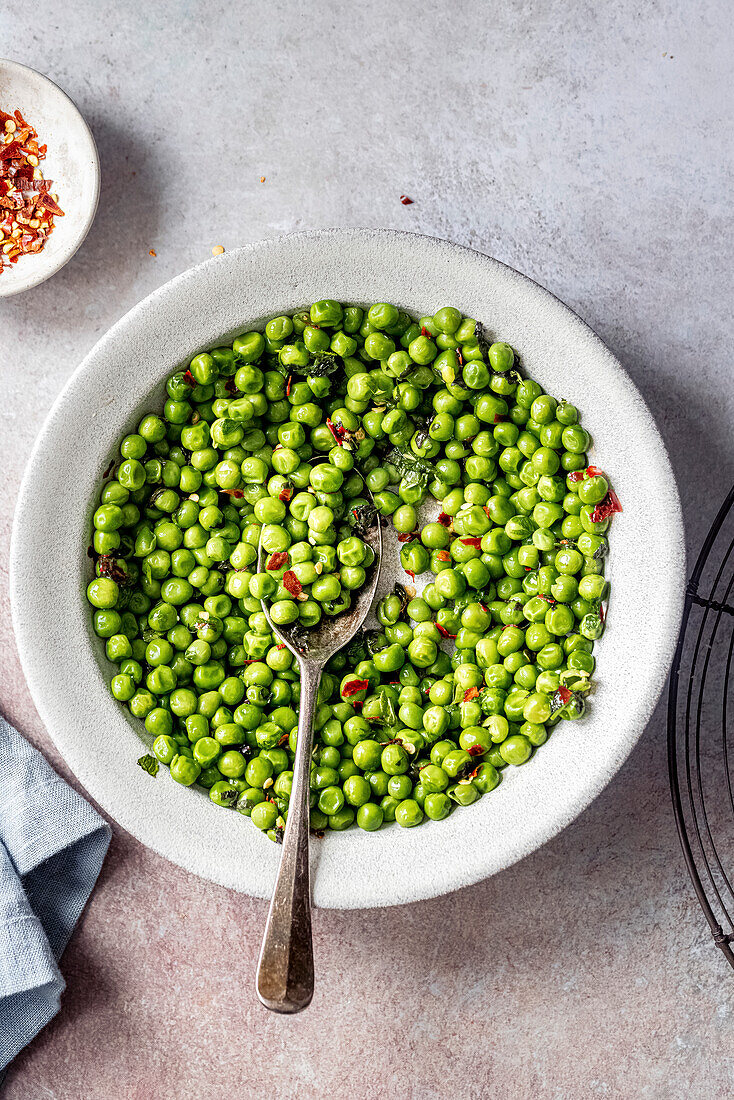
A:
(71, 162)
(123, 377)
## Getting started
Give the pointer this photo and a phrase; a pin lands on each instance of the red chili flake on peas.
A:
(276, 560)
(607, 508)
(444, 519)
(471, 541)
(576, 475)
(336, 430)
(444, 631)
(471, 693)
(354, 687)
(292, 583)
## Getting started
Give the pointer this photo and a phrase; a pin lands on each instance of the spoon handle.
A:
(285, 969)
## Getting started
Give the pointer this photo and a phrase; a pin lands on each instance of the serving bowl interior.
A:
(123, 377)
(71, 162)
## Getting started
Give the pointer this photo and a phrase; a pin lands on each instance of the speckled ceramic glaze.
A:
(71, 162)
(123, 377)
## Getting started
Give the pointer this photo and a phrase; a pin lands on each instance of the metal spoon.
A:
(285, 971)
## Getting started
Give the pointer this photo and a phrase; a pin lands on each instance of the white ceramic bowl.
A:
(71, 162)
(123, 377)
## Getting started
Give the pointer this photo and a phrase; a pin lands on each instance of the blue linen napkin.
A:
(52, 846)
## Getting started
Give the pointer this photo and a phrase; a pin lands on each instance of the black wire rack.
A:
(700, 753)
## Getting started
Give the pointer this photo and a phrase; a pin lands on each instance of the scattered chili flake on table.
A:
(406, 201)
(27, 205)
(152, 252)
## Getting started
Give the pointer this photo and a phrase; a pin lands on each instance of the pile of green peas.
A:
(271, 441)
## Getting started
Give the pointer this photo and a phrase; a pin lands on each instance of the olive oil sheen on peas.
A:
(273, 439)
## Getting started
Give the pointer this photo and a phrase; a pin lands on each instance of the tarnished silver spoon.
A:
(285, 970)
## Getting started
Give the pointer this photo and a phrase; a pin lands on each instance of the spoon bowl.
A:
(285, 969)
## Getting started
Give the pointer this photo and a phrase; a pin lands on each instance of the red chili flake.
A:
(410, 573)
(292, 583)
(607, 508)
(288, 385)
(280, 645)
(238, 494)
(601, 612)
(12, 149)
(471, 542)
(443, 555)
(406, 201)
(354, 687)
(471, 693)
(476, 750)
(444, 519)
(594, 471)
(548, 599)
(408, 536)
(286, 736)
(444, 631)
(44, 199)
(425, 332)
(285, 493)
(460, 357)
(576, 475)
(484, 607)
(565, 695)
(336, 430)
(231, 387)
(189, 378)
(357, 704)
(280, 557)
(499, 418)
(27, 209)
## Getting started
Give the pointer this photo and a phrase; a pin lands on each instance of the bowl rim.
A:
(335, 893)
(84, 223)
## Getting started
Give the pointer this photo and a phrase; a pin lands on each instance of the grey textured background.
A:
(588, 145)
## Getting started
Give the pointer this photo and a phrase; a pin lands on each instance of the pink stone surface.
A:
(588, 145)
